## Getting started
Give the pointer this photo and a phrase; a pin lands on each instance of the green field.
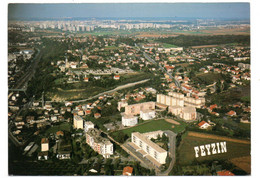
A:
(186, 153)
(83, 90)
(231, 96)
(107, 32)
(167, 45)
(111, 47)
(64, 127)
(207, 78)
(153, 126)
(74, 94)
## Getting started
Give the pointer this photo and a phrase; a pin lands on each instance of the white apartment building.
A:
(88, 125)
(78, 122)
(178, 99)
(149, 149)
(147, 114)
(186, 113)
(129, 120)
(99, 144)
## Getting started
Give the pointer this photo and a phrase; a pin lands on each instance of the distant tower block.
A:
(67, 65)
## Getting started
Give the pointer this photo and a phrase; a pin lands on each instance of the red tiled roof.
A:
(211, 107)
(45, 140)
(225, 173)
(202, 123)
(127, 170)
(230, 113)
(59, 133)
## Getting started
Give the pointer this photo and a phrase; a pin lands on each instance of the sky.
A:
(134, 10)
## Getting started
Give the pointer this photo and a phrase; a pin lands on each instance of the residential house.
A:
(127, 171)
(204, 125)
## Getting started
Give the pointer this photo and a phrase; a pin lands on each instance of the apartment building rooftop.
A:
(149, 142)
(189, 109)
(95, 133)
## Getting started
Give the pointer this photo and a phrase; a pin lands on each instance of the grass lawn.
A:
(153, 126)
(186, 154)
(63, 126)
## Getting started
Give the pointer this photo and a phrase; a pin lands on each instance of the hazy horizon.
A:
(129, 11)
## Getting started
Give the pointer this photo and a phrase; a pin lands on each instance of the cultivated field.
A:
(186, 154)
(243, 163)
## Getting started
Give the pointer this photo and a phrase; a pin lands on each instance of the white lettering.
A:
(202, 149)
(223, 147)
(196, 148)
(214, 151)
(208, 148)
(218, 148)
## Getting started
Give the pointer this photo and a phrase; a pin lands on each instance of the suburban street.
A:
(172, 151)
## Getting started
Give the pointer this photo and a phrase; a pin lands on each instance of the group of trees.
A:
(120, 136)
(129, 41)
(192, 40)
(163, 139)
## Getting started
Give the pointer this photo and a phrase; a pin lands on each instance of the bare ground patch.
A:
(172, 121)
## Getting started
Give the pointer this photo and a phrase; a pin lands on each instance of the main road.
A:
(177, 83)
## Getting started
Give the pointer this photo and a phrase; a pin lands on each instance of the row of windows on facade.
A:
(147, 147)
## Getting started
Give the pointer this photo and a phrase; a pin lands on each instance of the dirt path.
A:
(216, 137)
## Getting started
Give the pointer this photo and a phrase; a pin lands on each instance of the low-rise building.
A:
(204, 125)
(127, 171)
(44, 144)
(129, 120)
(135, 109)
(78, 122)
(116, 77)
(97, 115)
(232, 113)
(147, 114)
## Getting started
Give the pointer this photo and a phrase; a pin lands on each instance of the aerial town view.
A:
(133, 89)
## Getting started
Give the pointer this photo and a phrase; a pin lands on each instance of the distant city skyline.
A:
(130, 10)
